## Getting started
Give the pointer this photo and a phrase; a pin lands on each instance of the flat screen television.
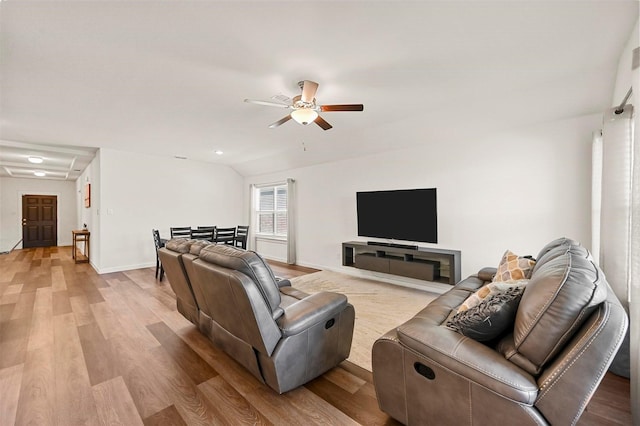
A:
(405, 214)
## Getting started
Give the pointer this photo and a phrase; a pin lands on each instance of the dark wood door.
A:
(39, 220)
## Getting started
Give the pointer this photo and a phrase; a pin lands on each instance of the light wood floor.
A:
(81, 348)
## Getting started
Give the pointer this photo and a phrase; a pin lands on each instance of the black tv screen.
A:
(406, 214)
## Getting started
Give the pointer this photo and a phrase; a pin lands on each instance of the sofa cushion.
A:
(551, 250)
(490, 318)
(251, 264)
(440, 308)
(179, 245)
(514, 267)
(561, 294)
(488, 291)
(198, 245)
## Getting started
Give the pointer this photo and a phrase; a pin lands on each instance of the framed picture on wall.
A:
(87, 195)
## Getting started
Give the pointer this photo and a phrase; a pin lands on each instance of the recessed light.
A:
(218, 152)
(40, 174)
(35, 160)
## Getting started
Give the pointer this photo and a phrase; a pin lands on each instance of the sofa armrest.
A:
(314, 309)
(487, 273)
(283, 282)
(468, 358)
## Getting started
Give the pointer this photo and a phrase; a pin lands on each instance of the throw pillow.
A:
(514, 267)
(489, 290)
(489, 319)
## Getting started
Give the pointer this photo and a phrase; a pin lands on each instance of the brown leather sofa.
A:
(567, 329)
(283, 336)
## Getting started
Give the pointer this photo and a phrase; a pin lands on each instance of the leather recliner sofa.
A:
(283, 336)
(176, 257)
(567, 329)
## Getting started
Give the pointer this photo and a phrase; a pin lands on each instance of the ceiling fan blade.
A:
(309, 89)
(283, 99)
(346, 107)
(281, 121)
(267, 103)
(322, 123)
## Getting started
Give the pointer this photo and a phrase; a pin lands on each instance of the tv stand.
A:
(394, 245)
(429, 264)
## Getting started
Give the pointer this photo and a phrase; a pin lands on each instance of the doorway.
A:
(39, 221)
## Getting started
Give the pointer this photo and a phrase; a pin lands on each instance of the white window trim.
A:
(271, 236)
(290, 238)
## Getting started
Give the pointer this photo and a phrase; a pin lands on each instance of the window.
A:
(272, 210)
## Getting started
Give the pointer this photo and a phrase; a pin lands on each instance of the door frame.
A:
(19, 211)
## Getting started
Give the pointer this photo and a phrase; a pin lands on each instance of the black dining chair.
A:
(203, 233)
(225, 236)
(180, 232)
(159, 242)
(242, 233)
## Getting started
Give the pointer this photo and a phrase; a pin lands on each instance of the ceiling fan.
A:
(304, 106)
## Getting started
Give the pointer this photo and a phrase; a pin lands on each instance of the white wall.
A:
(11, 191)
(139, 192)
(89, 215)
(513, 190)
(624, 77)
(274, 249)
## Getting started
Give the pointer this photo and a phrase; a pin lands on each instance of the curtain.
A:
(615, 211)
(616, 223)
(251, 237)
(634, 303)
(596, 192)
(291, 222)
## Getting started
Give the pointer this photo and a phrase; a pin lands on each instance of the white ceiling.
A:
(58, 162)
(169, 78)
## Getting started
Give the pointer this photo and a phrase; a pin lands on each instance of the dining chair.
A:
(225, 236)
(159, 243)
(181, 232)
(203, 233)
(242, 233)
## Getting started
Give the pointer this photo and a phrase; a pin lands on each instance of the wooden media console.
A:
(429, 264)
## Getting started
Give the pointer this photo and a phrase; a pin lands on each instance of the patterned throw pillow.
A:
(489, 290)
(513, 267)
(489, 319)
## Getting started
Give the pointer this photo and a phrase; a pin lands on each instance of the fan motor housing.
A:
(299, 103)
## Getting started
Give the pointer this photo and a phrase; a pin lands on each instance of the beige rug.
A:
(379, 306)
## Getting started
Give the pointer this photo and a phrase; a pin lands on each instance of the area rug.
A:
(379, 306)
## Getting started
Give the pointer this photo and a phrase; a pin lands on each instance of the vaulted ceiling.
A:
(169, 78)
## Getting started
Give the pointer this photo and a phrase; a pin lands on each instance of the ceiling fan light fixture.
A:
(304, 115)
(35, 160)
(304, 108)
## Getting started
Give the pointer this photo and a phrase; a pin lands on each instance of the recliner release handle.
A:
(329, 323)
(425, 371)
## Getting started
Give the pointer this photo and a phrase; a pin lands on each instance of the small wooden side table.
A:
(83, 236)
